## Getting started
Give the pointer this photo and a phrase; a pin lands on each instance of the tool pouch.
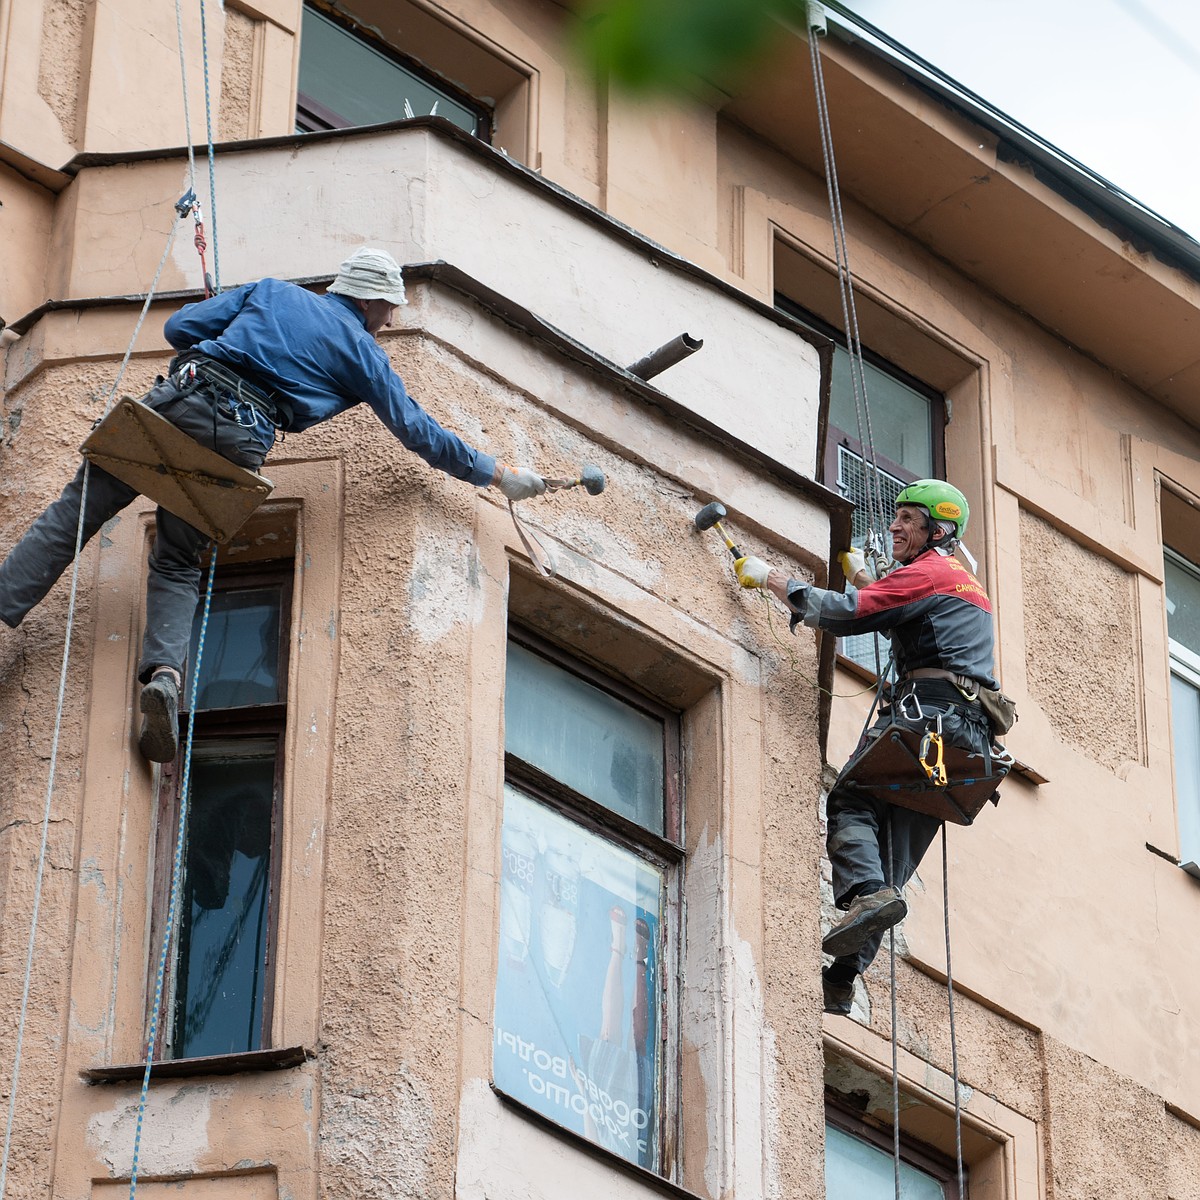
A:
(1001, 710)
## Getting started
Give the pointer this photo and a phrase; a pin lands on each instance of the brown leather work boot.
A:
(868, 914)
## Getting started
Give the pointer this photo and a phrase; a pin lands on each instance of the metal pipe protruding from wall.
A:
(657, 361)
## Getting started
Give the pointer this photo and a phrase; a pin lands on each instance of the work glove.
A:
(751, 572)
(519, 483)
(853, 561)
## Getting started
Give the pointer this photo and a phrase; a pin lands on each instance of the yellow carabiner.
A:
(935, 771)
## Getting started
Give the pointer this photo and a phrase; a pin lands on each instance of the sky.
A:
(1113, 83)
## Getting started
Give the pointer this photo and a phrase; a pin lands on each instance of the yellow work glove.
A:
(751, 572)
(853, 561)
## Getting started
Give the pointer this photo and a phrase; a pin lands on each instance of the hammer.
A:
(710, 517)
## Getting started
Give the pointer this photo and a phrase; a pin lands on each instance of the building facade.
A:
(503, 872)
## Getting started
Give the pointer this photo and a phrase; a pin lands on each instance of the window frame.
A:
(251, 722)
(314, 117)
(1184, 663)
(666, 853)
(836, 438)
(915, 1153)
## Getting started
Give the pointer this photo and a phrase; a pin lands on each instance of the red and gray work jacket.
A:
(933, 609)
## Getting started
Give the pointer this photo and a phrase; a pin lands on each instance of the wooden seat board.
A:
(889, 769)
(162, 462)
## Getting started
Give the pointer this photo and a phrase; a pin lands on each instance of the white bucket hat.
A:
(370, 275)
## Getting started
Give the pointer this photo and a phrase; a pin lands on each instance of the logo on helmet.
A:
(947, 509)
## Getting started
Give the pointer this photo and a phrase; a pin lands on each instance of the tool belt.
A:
(192, 370)
(1001, 710)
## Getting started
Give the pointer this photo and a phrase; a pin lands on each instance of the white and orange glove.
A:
(751, 572)
(519, 483)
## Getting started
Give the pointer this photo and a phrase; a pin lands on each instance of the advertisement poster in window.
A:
(577, 1034)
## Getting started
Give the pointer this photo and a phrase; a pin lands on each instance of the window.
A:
(589, 887)
(859, 1164)
(1182, 580)
(218, 994)
(349, 77)
(907, 422)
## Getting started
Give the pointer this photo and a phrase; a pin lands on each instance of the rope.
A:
(176, 874)
(846, 289)
(958, 1155)
(895, 1046)
(41, 867)
(212, 167)
(62, 691)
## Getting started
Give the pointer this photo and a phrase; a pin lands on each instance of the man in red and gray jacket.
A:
(939, 621)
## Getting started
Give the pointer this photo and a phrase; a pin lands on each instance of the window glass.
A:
(857, 1170)
(240, 663)
(1185, 722)
(905, 435)
(353, 82)
(1183, 601)
(581, 926)
(221, 948)
(584, 737)
(900, 415)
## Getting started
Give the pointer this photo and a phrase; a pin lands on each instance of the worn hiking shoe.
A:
(159, 739)
(867, 915)
(838, 996)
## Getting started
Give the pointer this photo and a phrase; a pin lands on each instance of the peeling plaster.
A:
(378, 1145)
(720, 965)
(440, 598)
(174, 1135)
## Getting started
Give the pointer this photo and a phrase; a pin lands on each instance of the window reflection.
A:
(222, 944)
(240, 663)
(582, 736)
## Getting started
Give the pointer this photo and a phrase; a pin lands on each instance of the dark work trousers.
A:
(856, 839)
(212, 418)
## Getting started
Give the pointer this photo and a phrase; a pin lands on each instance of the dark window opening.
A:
(219, 986)
(348, 77)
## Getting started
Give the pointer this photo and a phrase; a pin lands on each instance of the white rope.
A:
(70, 626)
(62, 692)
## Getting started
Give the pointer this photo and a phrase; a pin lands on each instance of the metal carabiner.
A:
(935, 772)
(911, 701)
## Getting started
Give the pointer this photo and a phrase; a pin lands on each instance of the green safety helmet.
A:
(941, 500)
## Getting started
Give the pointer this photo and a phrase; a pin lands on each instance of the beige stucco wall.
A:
(1073, 939)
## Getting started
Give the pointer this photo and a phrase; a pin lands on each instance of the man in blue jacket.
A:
(256, 359)
(939, 621)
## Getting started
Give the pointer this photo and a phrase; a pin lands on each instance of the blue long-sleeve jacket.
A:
(316, 352)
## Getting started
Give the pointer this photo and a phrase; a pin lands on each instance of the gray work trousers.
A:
(173, 582)
(856, 838)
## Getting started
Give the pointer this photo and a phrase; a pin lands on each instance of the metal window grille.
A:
(852, 482)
